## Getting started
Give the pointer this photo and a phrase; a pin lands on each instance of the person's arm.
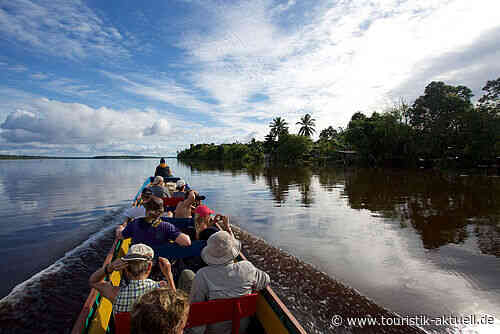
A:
(119, 231)
(261, 280)
(166, 269)
(226, 226)
(183, 240)
(106, 288)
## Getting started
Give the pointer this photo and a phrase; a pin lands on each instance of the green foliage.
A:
(279, 128)
(328, 134)
(293, 147)
(438, 117)
(251, 152)
(490, 101)
(381, 137)
(307, 126)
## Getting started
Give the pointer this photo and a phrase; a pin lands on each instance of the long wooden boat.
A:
(271, 316)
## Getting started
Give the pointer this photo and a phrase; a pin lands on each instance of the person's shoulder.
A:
(167, 225)
(246, 266)
(202, 272)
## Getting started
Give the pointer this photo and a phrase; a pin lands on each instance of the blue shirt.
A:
(143, 232)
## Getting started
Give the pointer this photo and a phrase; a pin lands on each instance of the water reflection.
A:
(439, 206)
(422, 236)
(279, 180)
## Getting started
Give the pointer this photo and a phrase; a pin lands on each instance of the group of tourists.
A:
(211, 272)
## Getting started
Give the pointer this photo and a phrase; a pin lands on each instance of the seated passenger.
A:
(138, 211)
(151, 230)
(137, 266)
(161, 311)
(158, 188)
(181, 189)
(225, 278)
(162, 169)
(203, 221)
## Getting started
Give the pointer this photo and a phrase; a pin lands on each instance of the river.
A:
(414, 241)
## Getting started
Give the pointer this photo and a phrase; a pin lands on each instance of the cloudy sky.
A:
(150, 77)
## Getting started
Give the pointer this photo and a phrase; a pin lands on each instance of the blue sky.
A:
(130, 77)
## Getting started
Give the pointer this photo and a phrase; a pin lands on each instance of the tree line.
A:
(442, 125)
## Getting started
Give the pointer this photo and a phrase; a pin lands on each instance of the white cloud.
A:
(164, 90)
(351, 56)
(39, 76)
(32, 124)
(65, 28)
(55, 122)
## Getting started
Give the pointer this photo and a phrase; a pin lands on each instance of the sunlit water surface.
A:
(416, 242)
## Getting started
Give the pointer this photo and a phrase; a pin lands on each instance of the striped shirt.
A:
(130, 293)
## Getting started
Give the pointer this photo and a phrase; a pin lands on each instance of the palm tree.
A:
(279, 128)
(307, 128)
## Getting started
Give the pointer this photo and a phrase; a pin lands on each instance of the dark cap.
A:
(162, 160)
(147, 191)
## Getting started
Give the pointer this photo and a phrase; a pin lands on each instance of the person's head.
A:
(163, 163)
(139, 261)
(202, 217)
(154, 207)
(158, 181)
(160, 311)
(221, 248)
(146, 195)
(181, 185)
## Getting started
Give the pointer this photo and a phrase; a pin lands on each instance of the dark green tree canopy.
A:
(438, 106)
(328, 134)
(279, 128)
(307, 126)
(490, 101)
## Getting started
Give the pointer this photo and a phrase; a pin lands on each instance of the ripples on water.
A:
(415, 242)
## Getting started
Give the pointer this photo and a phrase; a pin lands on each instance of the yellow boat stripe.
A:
(268, 318)
(100, 322)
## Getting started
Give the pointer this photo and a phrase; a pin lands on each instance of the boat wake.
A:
(50, 301)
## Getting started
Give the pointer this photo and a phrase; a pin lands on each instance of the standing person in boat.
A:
(158, 188)
(160, 311)
(225, 278)
(151, 230)
(163, 169)
(137, 266)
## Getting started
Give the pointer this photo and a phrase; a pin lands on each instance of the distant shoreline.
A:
(34, 157)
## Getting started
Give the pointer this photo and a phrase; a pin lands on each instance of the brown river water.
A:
(413, 241)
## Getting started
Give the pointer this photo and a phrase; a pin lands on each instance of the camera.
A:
(199, 198)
